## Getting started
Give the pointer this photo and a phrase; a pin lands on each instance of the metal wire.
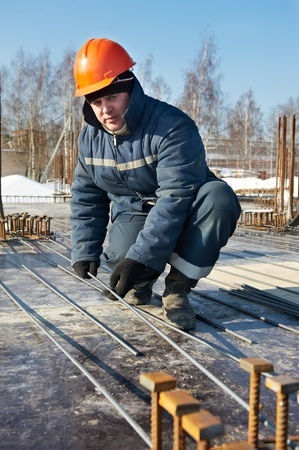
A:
(255, 260)
(273, 244)
(258, 298)
(243, 310)
(174, 345)
(262, 282)
(189, 335)
(219, 383)
(98, 386)
(165, 337)
(226, 329)
(97, 322)
(246, 269)
(192, 336)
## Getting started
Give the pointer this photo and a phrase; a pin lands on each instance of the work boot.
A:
(176, 307)
(140, 294)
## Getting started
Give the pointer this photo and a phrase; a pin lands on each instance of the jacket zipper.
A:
(115, 141)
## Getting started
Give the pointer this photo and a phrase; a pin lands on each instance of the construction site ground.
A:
(47, 403)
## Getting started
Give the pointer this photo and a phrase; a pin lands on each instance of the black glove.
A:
(128, 273)
(82, 267)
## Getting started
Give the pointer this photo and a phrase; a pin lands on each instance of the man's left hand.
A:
(128, 273)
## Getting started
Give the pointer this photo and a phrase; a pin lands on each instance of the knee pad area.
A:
(222, 200)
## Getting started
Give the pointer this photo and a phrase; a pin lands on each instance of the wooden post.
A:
(292, 166)
(283, 162)
(277, 168)
(1, 205)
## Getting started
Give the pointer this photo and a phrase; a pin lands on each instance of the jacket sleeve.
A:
(89, 215)
(181, 170)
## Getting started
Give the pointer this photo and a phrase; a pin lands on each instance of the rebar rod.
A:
(246, 269)
(54, 251)
(271, 299)
(97, 322)
(145, 312)
(254, 299)
(253, 252)
(174, 345)
(209, 375)
(243, 310)
(167, 339)
(59, 244)
(284, 238)
(224, 328)
(262, 282)
(272, 296)
(274, 245)
(85, 313)
(254, 259)
(219, 383)
(24, 307)
(191, 336)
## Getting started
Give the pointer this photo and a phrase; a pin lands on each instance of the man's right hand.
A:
(83, 267)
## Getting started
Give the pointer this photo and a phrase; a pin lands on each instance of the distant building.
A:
(260, 160)
(25, 153)
(14, 162)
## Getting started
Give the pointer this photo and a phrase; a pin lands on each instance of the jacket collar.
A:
(132, 116)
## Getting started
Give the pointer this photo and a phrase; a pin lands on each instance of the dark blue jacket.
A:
(162, 157)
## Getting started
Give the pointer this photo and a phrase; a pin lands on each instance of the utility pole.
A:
(1, 204)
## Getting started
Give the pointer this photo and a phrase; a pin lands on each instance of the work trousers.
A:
(212, 220)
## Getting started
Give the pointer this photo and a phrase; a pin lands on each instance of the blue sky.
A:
(257, 40)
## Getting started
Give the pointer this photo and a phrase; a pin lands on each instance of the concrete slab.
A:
(47, 403)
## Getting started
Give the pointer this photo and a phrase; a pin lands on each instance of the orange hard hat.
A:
(97, 63)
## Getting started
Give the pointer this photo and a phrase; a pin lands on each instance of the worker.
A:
(142, 163)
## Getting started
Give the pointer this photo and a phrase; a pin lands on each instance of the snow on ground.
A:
(17, 188)
(20, 188)
(254, 184)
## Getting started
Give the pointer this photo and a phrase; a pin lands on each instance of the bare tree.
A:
(5, 133)
(202, 97)
(154, 86)
(291, 106)
(71, 118)
(28, 101)
(245, 125)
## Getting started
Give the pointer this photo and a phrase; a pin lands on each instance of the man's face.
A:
(109, 110)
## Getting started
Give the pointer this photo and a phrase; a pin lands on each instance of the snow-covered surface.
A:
(252, 183)
(18, 187)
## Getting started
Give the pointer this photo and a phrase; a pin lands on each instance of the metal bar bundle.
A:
(24, 225)
(251, 293)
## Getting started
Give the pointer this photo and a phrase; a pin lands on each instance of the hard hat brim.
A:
(93, 87)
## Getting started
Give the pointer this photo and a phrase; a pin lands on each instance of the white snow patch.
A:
(252, 183)
(20, 188)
